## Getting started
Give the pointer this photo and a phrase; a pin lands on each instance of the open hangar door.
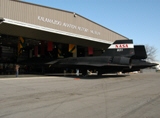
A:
(29, 52)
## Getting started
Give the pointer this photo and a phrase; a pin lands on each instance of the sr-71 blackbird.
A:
(121, 56)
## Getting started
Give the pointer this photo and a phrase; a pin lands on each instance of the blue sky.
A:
(136, 19)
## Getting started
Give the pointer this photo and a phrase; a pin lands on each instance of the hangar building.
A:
(30, 31)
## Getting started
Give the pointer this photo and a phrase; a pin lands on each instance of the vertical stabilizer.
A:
(120, 48)
(140, 52)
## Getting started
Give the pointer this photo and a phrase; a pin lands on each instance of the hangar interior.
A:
(35, 51)
(34, 34)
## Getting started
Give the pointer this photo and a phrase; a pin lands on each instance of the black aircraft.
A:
(121, 56)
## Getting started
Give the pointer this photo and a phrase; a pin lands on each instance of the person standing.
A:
(17, 70)
(77, 72)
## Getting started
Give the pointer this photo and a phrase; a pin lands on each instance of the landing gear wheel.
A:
(130, 66)
(84, 73)
(99, 73)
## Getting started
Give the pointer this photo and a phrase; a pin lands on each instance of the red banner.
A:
(50, 46)
(90, 50)
(42, 47)
(36, 51)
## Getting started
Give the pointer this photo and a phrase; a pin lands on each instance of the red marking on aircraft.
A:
(122, 46)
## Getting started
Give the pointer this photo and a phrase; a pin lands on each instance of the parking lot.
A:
(109, 96)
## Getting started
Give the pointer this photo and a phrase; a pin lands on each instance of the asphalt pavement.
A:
(109, 96)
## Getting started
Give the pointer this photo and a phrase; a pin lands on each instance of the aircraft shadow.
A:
(91, 76)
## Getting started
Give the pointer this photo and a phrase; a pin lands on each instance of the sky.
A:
(138, 20)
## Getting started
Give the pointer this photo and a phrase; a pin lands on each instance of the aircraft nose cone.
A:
(151, 64)
(154, 64)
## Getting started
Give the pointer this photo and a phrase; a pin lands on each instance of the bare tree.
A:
(151, 53)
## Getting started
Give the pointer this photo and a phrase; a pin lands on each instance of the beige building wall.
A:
(59, 20)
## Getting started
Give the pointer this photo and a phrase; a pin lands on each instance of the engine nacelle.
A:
(122, 60)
